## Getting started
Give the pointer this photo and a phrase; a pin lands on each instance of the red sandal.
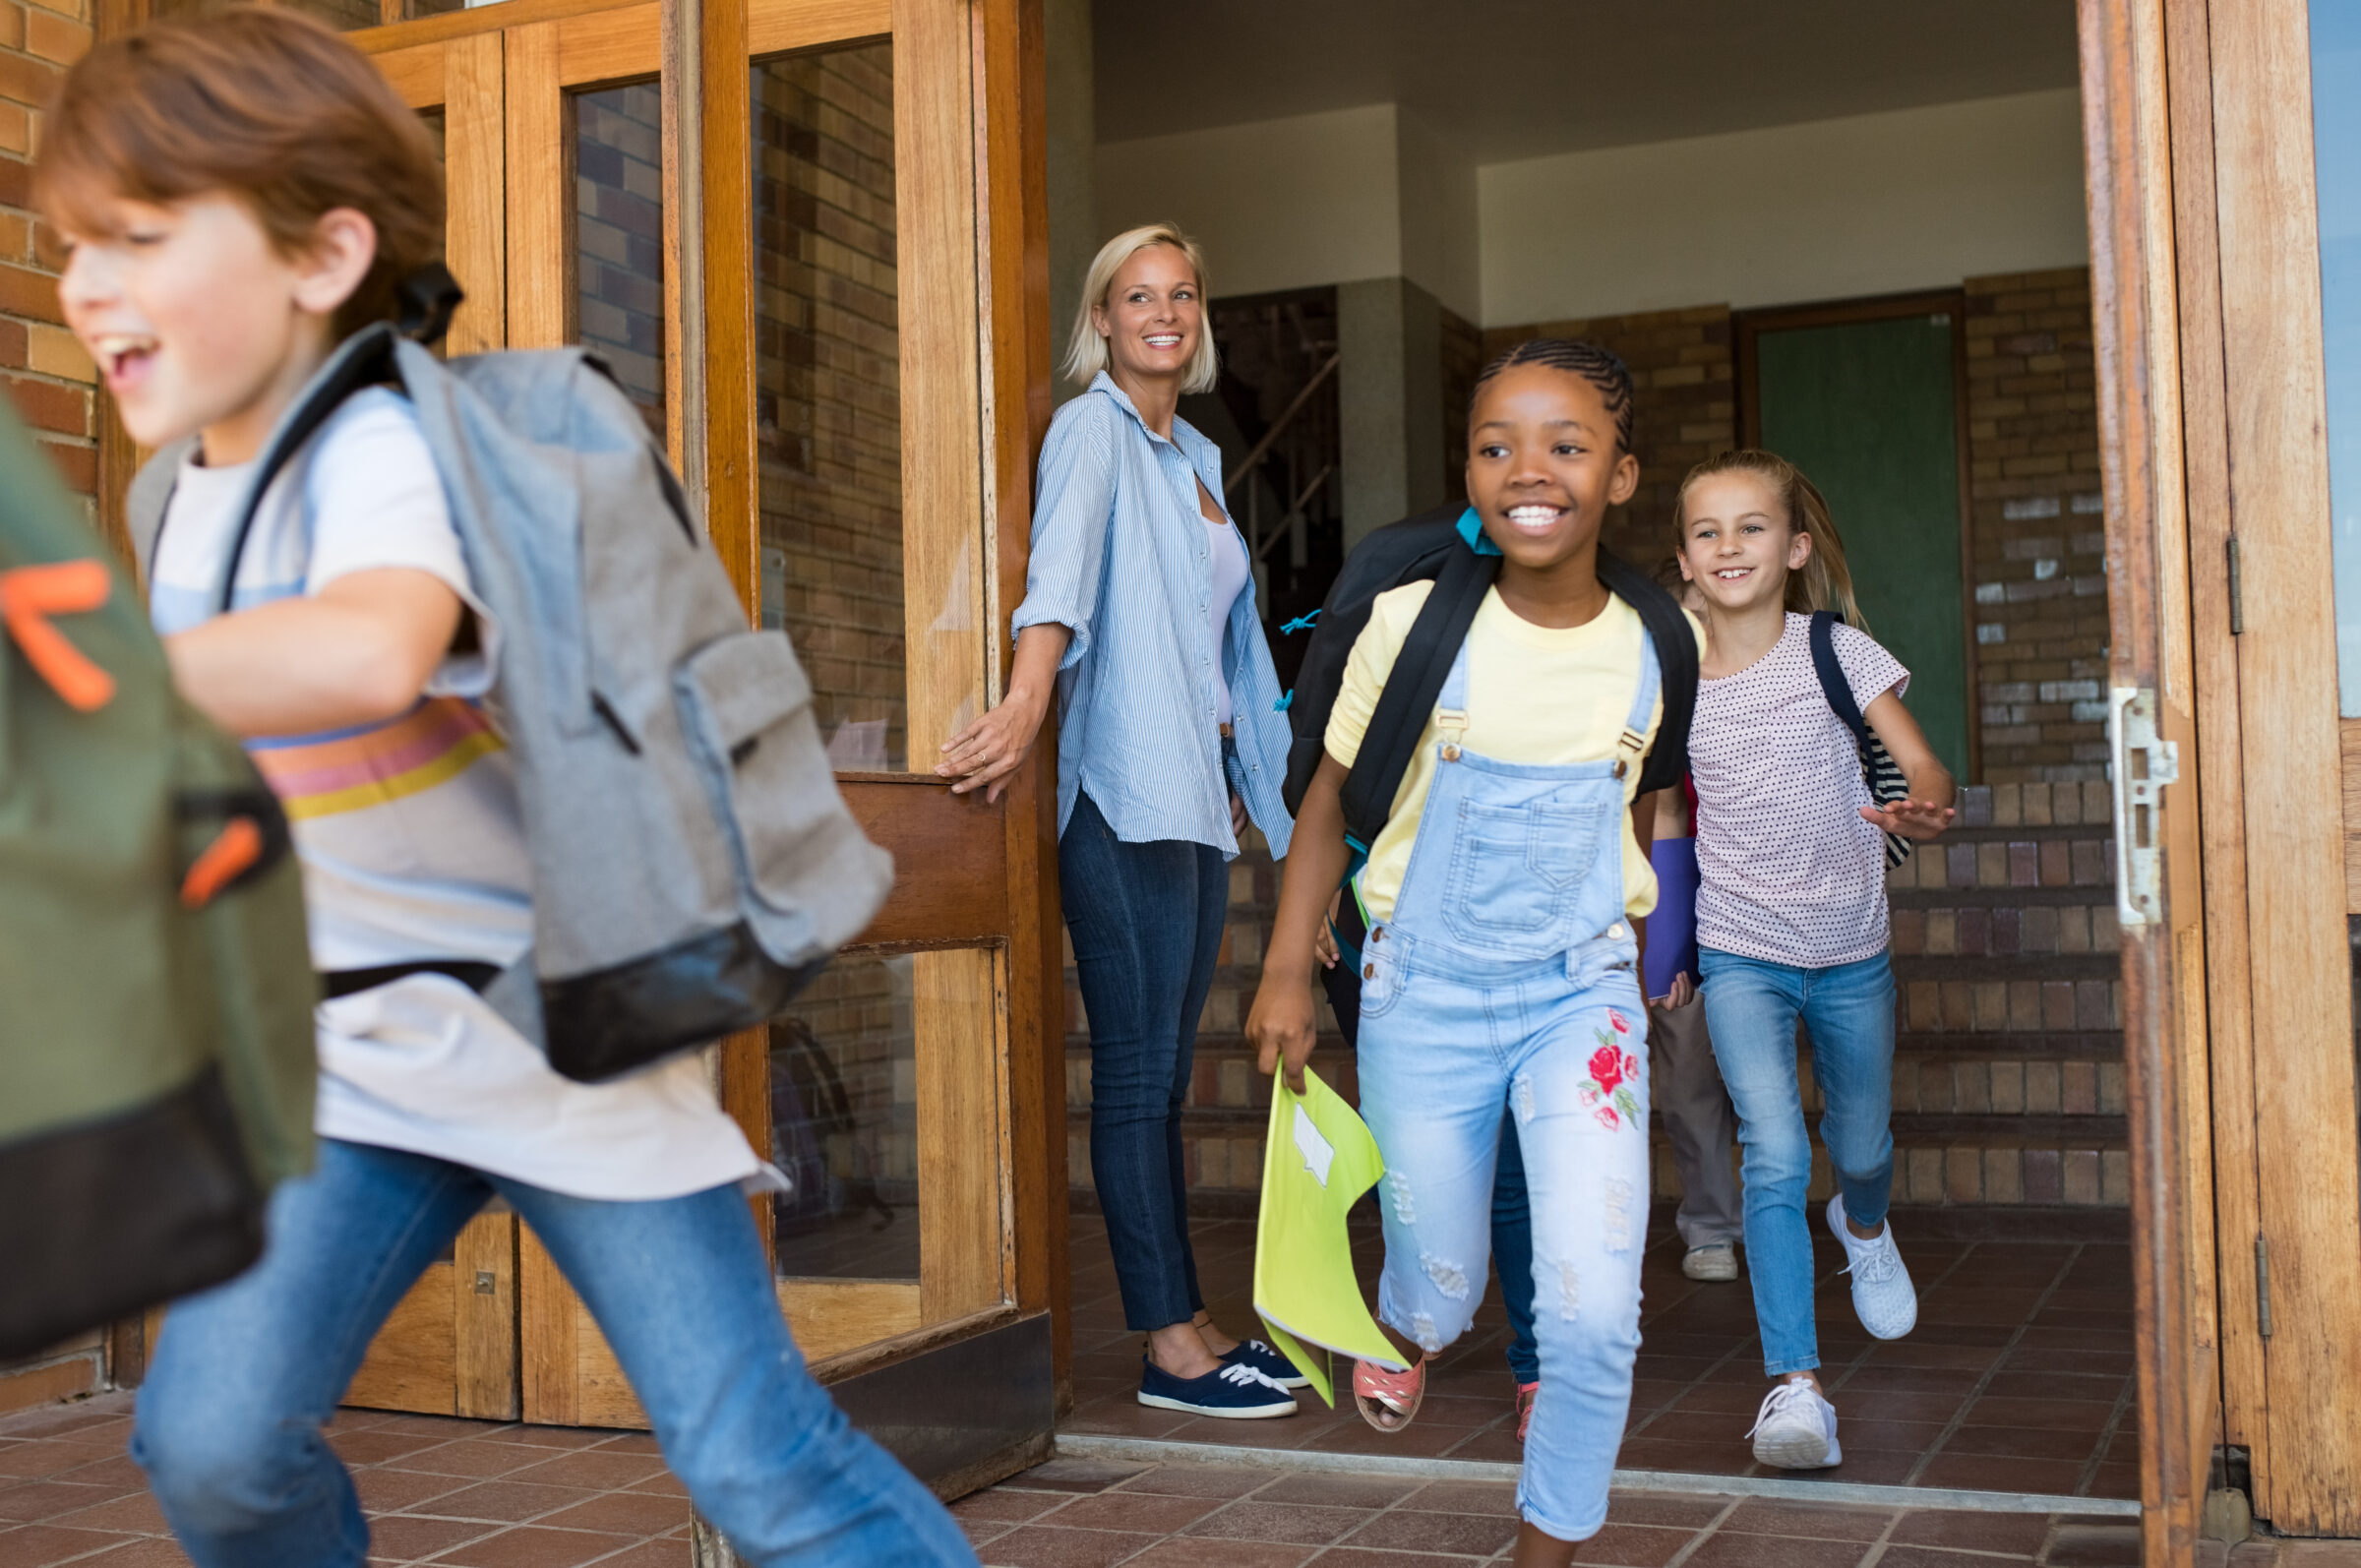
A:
(1388, 1399)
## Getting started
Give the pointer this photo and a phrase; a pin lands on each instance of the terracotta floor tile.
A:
(1340, 1491)
(510, 1502)
(1041, 1546)
(147, 1552)
(1470, 1535)
(592, 1468)
(39, 1545)
(1191, 1554)
(1362, 1557)
(534, 1547)
(373, 1445)
(1621, 1545)
(390, 1491)
(1776, 1551)
(1286, 1523)
(2108, 1546)
(1938, 1557)
(135, 1513)
(1464, 1497)
(648, 1554)
(1146, 1512)
(2032, 1442)
(997, 1504)
(1770, 1515)
(2020, 1534)
(2001, 1472)
(1080, 1475)
(32, 1501)
(469, 1457)
(406, 1539)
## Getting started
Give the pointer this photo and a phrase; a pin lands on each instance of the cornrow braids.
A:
(1598, 366)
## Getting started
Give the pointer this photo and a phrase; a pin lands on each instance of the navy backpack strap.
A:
(1676, 639)
(1411, 692)
(1833, 684)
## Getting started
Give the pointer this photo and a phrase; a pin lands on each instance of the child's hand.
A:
(1283, 1027)
(1324, 946)
(1919, 819)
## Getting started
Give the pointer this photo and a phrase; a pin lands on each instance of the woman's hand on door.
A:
(985, 753)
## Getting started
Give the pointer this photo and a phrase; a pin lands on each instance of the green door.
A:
(1868, 410)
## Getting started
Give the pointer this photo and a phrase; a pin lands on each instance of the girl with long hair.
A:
(1792, 920)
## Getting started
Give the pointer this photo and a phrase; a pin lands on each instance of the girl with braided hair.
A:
(1500, 977)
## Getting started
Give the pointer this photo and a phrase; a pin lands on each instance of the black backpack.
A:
(1440, 546)
(1879, 770)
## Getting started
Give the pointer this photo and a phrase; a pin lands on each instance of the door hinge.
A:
(2262, 1284)
(2237, 591)
(2144, 762)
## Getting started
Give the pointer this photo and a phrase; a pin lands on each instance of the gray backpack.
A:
(693, 863)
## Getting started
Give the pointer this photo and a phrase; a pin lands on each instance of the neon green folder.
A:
(1318, 1158)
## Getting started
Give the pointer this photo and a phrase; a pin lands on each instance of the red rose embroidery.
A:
(1615, 1018)
(1606, 1067)
(1606, 1118)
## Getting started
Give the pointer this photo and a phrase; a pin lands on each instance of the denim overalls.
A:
(1506, 975)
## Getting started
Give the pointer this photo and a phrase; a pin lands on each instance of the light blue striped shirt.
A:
(1121, 557)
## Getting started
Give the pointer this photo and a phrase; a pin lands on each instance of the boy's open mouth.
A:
(1535, 517)
(123, 356)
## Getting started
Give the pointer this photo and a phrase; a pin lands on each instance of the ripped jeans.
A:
(1443, 1045)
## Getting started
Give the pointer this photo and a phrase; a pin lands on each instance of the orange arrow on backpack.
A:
(29, 596)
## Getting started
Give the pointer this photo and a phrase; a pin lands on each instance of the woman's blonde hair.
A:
(1825, 583)
(1086, 351)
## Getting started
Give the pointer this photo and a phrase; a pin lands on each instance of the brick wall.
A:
(1686, 394)
(2037, 537)
(828, 389)
(618, 237)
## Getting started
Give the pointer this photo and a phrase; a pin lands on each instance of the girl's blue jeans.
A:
(1751, 1008)
(229, 1420)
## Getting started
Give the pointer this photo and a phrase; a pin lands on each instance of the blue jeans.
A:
(229, 1420)
(1146, 922)
(1751, 1008)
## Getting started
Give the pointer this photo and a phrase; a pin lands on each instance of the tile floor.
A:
(462, 1494)
(2018, 1378)
(1091, 1514)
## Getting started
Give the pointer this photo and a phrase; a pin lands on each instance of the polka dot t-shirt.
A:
(1788, 870)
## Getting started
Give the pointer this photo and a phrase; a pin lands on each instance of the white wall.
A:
(1441, 249)
(1279, 204)
(1871, 205)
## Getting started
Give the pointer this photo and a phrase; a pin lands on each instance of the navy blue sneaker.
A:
(1236, 1391)
(1266, 1359)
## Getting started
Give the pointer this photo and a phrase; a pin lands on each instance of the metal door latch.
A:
(2144, 762)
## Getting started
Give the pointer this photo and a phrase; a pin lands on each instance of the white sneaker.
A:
(1883, 1297)
(1716, 1260)
(1796, 1429)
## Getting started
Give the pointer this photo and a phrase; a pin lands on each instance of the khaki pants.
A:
(1686, 1086)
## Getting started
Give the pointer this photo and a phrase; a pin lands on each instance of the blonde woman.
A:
(1139, 613)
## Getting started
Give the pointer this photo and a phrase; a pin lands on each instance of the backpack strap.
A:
(1411, 692)
(365, 360)
(149, 498)
(1676, 639)
(1833, 684)
(1634, 739)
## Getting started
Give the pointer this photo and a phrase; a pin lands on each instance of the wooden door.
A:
(794, 229)
(2278, 895)
(2161, 896)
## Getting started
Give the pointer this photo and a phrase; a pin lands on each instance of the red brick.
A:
(51, 405)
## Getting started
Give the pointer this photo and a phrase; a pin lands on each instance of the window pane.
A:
(827, 400)
(2337, 170)
(844, 1122)
(618, 237)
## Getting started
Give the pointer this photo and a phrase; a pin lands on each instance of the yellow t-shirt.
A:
(1546, 695)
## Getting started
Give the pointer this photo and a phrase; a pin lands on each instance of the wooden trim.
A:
(506, 17)
(1013, 220)
(2219, 752)
(1748, 325)
(485, 1381)
(2309, 1207)
(958, 997)
(417, 71)
(540, 181)
(777, 26)
(550, 1320)
(950, 862)
(475, 182)
(2135, 325)
(609, 46)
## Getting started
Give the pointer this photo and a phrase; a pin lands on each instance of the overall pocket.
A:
(1517, 875)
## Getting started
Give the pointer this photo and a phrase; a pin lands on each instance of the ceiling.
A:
(1514, 79)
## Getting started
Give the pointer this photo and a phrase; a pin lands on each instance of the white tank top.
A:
(1230, 578)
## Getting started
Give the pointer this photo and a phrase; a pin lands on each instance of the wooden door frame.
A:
(1746, 325)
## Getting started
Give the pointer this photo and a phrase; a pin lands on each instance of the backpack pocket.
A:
(747, 709)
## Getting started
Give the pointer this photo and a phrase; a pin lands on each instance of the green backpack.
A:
(156, 987)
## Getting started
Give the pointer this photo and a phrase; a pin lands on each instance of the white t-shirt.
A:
(412, 848)
(1231, 576)
(1787, 870)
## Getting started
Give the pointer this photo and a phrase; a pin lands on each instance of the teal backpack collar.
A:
(1470, 528)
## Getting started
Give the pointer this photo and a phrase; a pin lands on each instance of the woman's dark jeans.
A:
(1146, 920)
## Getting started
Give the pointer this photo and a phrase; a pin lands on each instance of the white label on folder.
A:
(1318, 1153)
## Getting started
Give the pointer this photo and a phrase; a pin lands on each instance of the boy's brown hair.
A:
(266, 105)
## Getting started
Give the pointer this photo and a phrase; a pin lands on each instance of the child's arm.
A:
(358, 651)
(1283, 1023)
(1927, 812)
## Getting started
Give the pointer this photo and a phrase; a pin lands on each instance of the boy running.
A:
(240, 194)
